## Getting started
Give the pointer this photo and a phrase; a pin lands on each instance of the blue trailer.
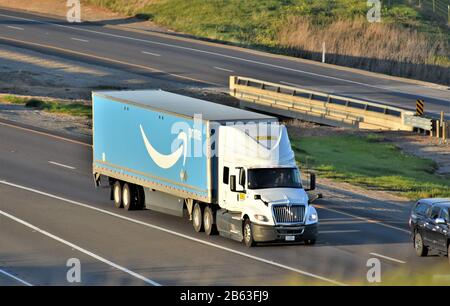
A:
(159, 150)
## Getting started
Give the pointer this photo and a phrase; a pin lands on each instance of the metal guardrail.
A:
(293, 102)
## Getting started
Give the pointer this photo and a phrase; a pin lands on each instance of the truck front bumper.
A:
(264, 233)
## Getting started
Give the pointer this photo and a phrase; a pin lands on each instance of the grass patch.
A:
(369, 161)
(73, 109)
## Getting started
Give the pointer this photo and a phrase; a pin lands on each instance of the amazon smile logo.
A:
(167, 161)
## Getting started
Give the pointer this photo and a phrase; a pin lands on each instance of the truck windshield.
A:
(274, 178)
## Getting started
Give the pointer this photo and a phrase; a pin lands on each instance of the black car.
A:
(430, 226)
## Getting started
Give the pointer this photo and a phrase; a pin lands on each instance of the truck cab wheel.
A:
(209, 221)
(129, 199)
(248, 234)
(197, 218)
(117, 194)
(421, 249)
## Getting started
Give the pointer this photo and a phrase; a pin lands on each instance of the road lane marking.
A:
(388, 258)
(340, 232)
(45, 134)
(364, 219)
(111, 60)
(165, 230)
(61, 165)
(80, 249)
(15, 28)
(290, 84)
(207, 52)
(150, 53)
(223, 69)
(79, 39)
(16, 278)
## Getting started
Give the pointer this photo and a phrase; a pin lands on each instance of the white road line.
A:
(15, 278)
(61, 165)
(340, 232)
(223, 69)
(290, 84)
(207, 52)
(149, 53)
(269, 262)
(45, 134)
(79, 39)
(76, 247)
(388, 258)
(15, 28)
(365, 219)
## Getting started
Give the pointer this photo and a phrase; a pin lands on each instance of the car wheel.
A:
(448, 251)
(117, 194)
(248, 234)
(421, 249)
(310, 242)
(197, 218)
(209, 221)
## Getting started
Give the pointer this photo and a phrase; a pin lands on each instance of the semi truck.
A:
(230, 171)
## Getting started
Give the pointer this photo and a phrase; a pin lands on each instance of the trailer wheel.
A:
(129, 196)
(248, 234)
(140, 194)
(197, 218)
(209, 221)
(117, 194)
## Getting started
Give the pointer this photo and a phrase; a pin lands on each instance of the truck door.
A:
(234, 199)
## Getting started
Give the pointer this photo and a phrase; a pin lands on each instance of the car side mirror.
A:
(440, 221)
(257, 197)
(312, 182)
(233, 183)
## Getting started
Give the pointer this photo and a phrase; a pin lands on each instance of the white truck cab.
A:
(260, 190)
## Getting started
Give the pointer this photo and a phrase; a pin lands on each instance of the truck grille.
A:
(289, 214)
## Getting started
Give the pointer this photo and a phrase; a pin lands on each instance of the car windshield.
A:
(274, 178)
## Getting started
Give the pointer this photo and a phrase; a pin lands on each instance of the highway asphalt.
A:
(190, 61)
(51, 212)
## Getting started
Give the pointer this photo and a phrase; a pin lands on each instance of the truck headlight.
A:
(261, 218)
(313, 217)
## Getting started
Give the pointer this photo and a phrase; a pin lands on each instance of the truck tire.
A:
(129, 197)
(421, 249)
(248, 234)
(209, 221)
(197, 218)
(117, 194)
(140, 194)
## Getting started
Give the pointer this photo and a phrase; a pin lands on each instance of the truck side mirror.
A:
(242, 177)
(312, 182)
(233, 183)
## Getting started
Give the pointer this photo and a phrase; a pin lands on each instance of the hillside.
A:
(411, 41)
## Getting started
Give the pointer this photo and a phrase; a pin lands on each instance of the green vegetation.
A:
(371, 162)
(411, 41)
(73, 109)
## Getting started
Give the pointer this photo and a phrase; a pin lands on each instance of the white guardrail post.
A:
(304, 104)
